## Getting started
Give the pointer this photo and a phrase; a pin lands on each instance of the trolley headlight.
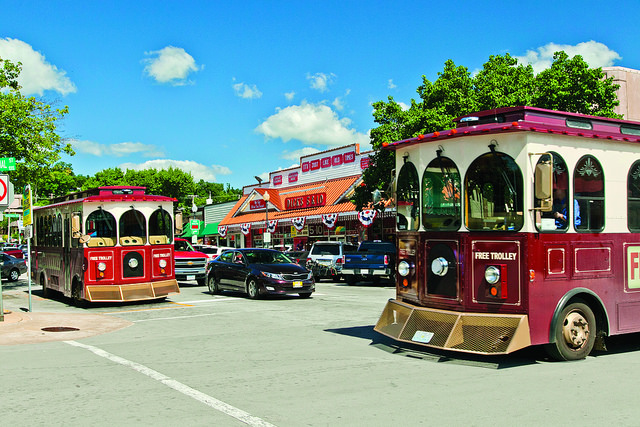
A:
(492, 275)
(404, 268)
(440, 266)
(133, 263)
(102, 266)
(162, 263)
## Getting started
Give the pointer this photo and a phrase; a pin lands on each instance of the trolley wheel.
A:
(575, 334)
(214, 284)
(76, 291)
(252, 289)
(45, 291)
(14, 275)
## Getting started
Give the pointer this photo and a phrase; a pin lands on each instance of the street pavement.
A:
(198, 359)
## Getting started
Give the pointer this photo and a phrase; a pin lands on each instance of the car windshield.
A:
(183, 245)
(326, 249)
(266, 257)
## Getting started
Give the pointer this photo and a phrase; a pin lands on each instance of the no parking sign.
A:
(4, 191)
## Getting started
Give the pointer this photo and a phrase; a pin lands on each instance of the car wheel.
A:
(304, 294)
(14, 274)
(351, 280)
(252, 289)
(214, 284)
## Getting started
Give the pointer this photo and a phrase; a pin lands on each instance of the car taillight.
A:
(386, 260)
(340, 260)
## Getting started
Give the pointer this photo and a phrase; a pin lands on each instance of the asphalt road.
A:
(197, 359)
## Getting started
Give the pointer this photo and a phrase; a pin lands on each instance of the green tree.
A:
(568, 85)
(28, 130)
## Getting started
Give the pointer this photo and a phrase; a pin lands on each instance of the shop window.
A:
(560, 216)
(133, 228)
(408, 193)
(633, 197)
(160, 227)
(441, 195)
(588, 190)
(494, 194)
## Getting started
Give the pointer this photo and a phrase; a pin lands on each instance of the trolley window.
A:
(160, 227)
(408, 193)
(441, 195)
(588, 188)
(494, 193)
(133, 228)
(559, 217)
(101, 227)
(633, 197)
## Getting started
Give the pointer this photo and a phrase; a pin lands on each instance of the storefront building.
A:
(307, 203)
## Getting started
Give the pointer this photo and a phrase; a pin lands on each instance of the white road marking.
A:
(214, 403)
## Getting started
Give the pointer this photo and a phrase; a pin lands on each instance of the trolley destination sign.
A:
(7, 164)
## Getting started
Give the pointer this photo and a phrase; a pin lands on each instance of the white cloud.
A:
(321, 81)
(37, 74)
(315, 124)
(289, 95)
(595, 54)
(337, 104)
(170, 65)
(295, 155)
(390, 84)
(119, 149)
(247, 92)
(197, 170)
(405, 107)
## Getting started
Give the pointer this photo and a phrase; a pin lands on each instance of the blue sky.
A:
(228, 90)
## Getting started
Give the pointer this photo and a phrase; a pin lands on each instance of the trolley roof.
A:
(531, 119)
(116, 193)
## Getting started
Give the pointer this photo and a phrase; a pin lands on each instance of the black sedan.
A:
(12, 267)
(258, 272)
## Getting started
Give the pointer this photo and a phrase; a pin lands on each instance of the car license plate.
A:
(297, 284)
(191, 277)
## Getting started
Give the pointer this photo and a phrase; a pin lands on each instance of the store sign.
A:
(325, 162)
(305, 167)
(306, 201)
(315, 164)
(350, 157)
(257, 204)
(277, 180)
(364, 162)
(293, 177)
(336, 160)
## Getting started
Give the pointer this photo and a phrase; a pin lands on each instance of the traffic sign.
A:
(7, 164)
(26, 205)
(6, 192)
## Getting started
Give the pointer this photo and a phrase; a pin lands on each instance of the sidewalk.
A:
(47, 323)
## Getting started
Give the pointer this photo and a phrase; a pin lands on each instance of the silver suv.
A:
(327, 258)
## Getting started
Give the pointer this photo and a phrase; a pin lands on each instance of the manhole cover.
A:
(59, 329)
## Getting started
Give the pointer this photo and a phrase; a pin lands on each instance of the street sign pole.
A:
(27, 220)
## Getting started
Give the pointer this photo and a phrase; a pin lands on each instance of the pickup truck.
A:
(371, 261)
(189, 263)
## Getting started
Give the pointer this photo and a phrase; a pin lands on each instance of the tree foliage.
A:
(28, 130)
(568, 85)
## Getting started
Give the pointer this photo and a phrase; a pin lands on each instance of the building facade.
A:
(307, 203)
(629, 92)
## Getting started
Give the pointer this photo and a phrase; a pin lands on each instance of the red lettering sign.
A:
(350, 157)
(305, 167)
(336, 160)
(364, 162)
(256, 204)
(306, 201)
(315, 165)
(326, 162)
(293, 177)
(277, 180)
